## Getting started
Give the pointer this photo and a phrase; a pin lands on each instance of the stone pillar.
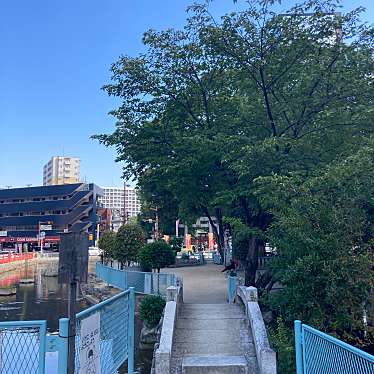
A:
(252, 294)
(172, 293)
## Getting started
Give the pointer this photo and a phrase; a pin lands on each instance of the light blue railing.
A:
(23, 347)
(232, 282)
(23, 344)
(319, 353)
(114, 277)
(116, 332)
(143, 282)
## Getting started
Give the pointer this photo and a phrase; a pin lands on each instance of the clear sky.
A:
(54, 57)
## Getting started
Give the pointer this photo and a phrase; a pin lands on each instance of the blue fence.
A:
(319, 353)
(143, 282)
(114, 277)
(22, 347)
(23, 344)
(116, 332)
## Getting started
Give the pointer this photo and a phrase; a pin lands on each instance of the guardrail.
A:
(12, 257)
(266, 357)
(318, 353)
(23, 344)
(232, 283)
(143, 282)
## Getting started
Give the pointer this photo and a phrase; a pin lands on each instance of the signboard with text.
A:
(3, 233)
(45, 227)
(51, 239)
(89, 347)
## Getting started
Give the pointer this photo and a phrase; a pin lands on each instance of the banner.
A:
(187, 241)
(210, 241)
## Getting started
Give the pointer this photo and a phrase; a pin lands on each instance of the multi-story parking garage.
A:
(36, 216)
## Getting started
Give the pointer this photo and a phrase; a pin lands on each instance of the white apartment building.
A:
(118, 200)
(61, 170)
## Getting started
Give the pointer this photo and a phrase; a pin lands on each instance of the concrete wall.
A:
(266, 357)
(174, 297)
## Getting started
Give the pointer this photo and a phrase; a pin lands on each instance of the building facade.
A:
(61, 170)
(121, 201)
(33, 215)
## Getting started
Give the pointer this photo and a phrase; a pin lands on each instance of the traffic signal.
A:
(90, 236)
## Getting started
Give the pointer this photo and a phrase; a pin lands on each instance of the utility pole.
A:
(156, 224)
(124, 218)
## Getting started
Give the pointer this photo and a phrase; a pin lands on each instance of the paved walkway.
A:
(203, 284)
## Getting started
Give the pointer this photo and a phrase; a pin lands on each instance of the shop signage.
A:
(45, 227)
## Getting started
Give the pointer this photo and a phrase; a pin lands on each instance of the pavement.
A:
(204, 284)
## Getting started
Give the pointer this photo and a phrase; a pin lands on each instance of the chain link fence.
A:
(22, 347)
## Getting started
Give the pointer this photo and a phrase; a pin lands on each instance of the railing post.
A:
(298, 347)
(130, 333)
(231, 288)
(63, 345)
(43, 344)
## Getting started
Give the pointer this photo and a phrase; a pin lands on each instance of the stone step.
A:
(211, 306)
(211, 364)
(201, 314)
(207, 348)
(216, 324)
(210, 336)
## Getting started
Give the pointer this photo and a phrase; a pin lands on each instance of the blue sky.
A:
(54, 57)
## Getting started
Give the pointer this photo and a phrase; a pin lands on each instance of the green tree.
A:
(156, 255)
(130, 239)
(107, 242)
(208, 109)
(323, 232)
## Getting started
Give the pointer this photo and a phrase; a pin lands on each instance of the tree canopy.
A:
(265, 121)
(129, 240)
(208, 109)
(156, 255)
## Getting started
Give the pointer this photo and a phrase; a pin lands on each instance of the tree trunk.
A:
(254, 247)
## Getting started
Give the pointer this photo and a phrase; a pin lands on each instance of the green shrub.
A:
(282, 341)
(156, 255)
(150, 309)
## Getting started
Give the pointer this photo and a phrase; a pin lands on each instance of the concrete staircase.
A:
(213, 339)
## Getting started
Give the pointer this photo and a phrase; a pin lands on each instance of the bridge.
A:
(206, 328)
(210, 328)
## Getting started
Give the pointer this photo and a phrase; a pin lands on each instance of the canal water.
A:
(45, 299)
